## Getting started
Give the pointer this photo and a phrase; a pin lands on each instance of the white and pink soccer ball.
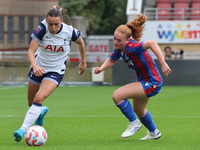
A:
(35, 136)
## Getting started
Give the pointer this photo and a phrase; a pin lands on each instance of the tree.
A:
(103, 15)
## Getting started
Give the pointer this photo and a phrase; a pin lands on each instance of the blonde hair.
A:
(133, 28)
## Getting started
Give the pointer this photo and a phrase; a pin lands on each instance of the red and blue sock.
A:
(147, 121)
(127, 110)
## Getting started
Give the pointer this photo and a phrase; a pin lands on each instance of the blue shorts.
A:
(53, 76)
(151, 89)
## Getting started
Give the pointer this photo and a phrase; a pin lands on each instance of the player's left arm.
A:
(81, 47)
(37, 70)
(157, 51)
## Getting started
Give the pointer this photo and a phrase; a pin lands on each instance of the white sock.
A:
(154, 132)
(31, 116)
(136, 121)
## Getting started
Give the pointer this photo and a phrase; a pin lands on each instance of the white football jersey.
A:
(54, 49)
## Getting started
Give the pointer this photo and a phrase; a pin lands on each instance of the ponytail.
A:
(136, 26)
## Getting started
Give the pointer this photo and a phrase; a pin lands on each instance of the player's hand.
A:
(165, 69)
(38, 71)
(82, 67)
(97, 70)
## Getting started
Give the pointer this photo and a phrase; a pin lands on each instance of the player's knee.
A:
(115, 97)
(39, 98)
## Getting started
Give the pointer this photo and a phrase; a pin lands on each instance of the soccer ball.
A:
(35, 136)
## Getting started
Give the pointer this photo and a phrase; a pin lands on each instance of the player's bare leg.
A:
(139, 106)
(32, 90)
(121, 97)
(45, 89)
(49, 86)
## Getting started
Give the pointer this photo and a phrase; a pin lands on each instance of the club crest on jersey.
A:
(129, 61)
(55, 48)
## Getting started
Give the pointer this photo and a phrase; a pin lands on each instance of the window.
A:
(30, 26)
(10, 29)
(1, 29)
(40, 19)
(21, 29)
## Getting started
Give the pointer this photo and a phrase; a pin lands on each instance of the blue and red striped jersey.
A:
(140, 60)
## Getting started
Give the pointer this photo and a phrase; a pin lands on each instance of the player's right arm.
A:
(38, 71)
(108, 63)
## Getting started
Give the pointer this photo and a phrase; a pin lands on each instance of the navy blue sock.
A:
(127, 110)
(34, 103)
(147, 121)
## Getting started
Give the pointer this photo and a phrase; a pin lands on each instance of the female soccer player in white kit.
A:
(51, 43)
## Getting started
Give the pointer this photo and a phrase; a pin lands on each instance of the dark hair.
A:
(57, 11)
(167, 47)
(134, 28)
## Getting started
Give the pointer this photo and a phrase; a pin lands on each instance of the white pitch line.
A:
(94, 116)
(10, 87)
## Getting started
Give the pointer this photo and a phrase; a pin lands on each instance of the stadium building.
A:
(18, 19)
(174, 23)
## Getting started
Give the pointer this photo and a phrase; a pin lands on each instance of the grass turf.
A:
(85, 118)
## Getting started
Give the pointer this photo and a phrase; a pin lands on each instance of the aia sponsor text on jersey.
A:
(55, 48)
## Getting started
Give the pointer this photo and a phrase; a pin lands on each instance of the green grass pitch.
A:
(86, 118)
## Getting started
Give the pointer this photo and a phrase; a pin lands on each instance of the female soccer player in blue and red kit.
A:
(149, 80)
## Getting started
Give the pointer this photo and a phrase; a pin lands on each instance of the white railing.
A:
(172, 13)
(13, 55)
(73, 56)
(91, 57)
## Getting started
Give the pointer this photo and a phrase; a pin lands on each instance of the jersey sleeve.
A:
(39, 33)
(136, 47)
(116, 54)
(75, 34)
